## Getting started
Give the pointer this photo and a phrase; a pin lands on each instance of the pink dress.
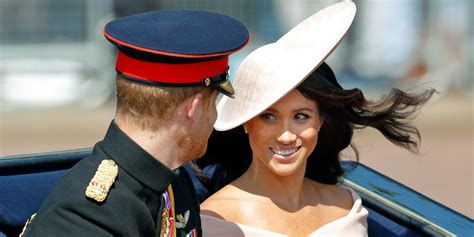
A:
(354, 224)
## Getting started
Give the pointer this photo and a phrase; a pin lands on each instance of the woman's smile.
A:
(284, 154)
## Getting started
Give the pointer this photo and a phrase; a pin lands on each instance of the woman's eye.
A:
(301, 116)
(267, 116)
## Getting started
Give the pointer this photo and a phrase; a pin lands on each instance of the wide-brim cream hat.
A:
(273, 70)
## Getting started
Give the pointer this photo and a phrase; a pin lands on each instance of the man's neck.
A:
(161, 144)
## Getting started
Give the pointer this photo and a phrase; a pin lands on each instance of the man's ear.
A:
(192, 105)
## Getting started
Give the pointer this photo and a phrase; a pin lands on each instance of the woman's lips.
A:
(284, 154)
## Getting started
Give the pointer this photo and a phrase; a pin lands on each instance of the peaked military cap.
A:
(177, 47)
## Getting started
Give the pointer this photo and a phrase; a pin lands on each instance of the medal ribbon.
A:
(168, 213)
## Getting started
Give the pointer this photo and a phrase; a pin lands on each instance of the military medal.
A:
(193, 233)
(168, 224)
(181, 220)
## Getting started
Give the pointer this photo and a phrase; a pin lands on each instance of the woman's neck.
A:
(287, 192)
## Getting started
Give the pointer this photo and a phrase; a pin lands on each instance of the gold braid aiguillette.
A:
(103, 179)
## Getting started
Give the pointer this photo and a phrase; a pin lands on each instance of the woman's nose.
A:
(286, 137)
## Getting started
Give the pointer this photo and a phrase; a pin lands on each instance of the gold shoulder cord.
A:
(28, 222)
(103, 179)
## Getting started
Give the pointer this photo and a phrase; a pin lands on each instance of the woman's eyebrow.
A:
(294, 111)
(270, 110)
(303, 109)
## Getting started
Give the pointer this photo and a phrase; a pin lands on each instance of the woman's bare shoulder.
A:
(225, 203)
(335, 195)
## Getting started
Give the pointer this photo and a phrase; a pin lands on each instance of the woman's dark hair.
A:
(230, 153)
(342, 112)
(346, 110)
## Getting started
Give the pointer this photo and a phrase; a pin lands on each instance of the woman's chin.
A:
(284, 169)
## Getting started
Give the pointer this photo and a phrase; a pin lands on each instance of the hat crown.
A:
(272, 71)
(181, 33)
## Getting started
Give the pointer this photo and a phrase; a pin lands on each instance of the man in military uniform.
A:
(170, 67)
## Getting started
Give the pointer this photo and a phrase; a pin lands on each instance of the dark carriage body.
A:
(394, 209)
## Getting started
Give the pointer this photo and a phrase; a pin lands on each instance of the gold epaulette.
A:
(103, 179)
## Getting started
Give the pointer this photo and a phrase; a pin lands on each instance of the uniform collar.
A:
(135, 160)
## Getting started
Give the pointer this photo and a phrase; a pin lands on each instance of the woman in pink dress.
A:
(288, 123)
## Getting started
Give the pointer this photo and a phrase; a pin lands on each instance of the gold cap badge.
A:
(103, 179)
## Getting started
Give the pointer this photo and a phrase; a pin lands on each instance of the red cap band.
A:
(174, 73)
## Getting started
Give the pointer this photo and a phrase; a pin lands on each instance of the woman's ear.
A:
(245, 128)
(321, 122)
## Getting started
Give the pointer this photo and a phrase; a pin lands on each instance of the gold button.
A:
(207, 82)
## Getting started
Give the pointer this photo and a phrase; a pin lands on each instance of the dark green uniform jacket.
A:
(134, 203)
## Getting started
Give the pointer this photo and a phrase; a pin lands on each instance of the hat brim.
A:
(272, 71)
